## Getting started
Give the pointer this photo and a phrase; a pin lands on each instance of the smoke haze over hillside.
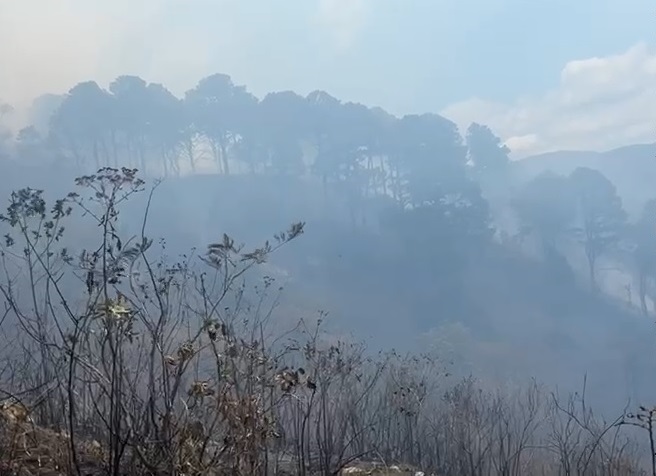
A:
(590, 95)
(313, 231)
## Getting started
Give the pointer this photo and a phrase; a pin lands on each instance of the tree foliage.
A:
(545, 209)
(600, 216)
(417, 165)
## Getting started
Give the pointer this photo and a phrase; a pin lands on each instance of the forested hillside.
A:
(412, 227)
(417, 236)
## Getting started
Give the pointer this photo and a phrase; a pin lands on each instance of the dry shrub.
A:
(27, 449)
(153, 368)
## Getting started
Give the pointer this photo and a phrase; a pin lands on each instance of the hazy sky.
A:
(544, 74)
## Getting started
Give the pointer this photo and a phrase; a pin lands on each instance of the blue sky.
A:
(496, 61)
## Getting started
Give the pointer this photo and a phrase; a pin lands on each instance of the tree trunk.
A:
(224, 159)
(592, 260)
(643, 293)
(188, 148)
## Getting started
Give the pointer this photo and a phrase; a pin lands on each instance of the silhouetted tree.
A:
(30, 145)
(81, 124)
(486, 151)
(190, 134)
(545, 209)
(489, 159)
(219, 110)
(601, 217)
(324, 123)
(444, 219)
(166, 127)
(428, 157)
(42, 110)
(130, 118)
(281, 123)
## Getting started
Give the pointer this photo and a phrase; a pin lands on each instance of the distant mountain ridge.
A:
(631, 168)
